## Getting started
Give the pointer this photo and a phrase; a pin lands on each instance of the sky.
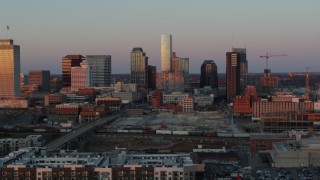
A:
(205, 29)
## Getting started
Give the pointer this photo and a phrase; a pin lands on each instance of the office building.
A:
(232, 75)
(181, 65)
(9, 69)
(166, 52)
(139, 67)
(81, 77)
(243, 67)
(68, 62)
(152, 77)
(209, 74)
(40, 78)
(101, 70)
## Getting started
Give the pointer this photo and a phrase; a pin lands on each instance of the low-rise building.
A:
(174, 97)
(54, 99)
(113, 103)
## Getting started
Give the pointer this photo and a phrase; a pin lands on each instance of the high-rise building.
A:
(243, 67)
(232, 75)
(166, 52)
(152, 77)
(139, 67)
(9, 69)
(40, 78)
(209, 74)
(68, 62)
(101, 70)
(81, 77)
(181, 65)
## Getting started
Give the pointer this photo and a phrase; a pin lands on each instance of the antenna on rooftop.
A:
(7, 32)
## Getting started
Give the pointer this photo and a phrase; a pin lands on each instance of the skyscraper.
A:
(243, 67)
(139, 67)
(166, 52)
(101, 70)
(209, 74)
(152, 77)
(68, 62)
(9, 69)
(40, 78)
(181, 65)
(81, 76)
(232, 75)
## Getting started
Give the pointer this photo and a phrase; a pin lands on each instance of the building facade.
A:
(209, 74)
(101, 70)
(152, 77)
(81, 77)
(9, 69)
(139, 67)
(232, 75)
(243, 67)
(40, 78)
(166, 52)
(68, 62)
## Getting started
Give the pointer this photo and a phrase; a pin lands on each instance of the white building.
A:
(174, 97)
(166, 52)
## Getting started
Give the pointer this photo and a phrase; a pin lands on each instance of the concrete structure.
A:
(68, 62)
(174, 97)
(203, 100)
(166, 52)
(170, 81)
(8, 145)
(181, 65)
(139, 67)
(263, 142)
(209, 74)
(232, 75)
(40, 78)
(127, 96)
(81, 76)
(124, 87)
(156, 99)
(113, 103)
(265, 107)
(242, 106)
(296, 153)
(101, 70)
(152, 77)
(187, 104)
(9, 69)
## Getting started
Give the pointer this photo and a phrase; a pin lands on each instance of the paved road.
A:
(77, 132)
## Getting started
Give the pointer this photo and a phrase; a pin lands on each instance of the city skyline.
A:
(201, 31)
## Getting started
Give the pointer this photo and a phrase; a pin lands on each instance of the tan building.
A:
(187, 104)
(265, 107)
(9, 69)
(54, 99)
(80, 77)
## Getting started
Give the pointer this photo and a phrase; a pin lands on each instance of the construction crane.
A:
(307, 81)
(269, 56)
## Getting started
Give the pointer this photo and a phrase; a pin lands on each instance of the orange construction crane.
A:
(269, 56)
(307, 81)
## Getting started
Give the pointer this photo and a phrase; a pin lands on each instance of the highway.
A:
(54, 145)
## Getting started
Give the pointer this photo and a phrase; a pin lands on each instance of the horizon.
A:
(48, 31)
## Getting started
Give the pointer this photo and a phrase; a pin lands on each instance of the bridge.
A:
(56, 144)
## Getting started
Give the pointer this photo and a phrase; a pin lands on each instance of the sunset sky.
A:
(204, 29)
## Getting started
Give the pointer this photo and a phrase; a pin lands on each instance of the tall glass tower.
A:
(166, 52)
(139, 67)
(9, 69)
(101, 70)
(209, 74)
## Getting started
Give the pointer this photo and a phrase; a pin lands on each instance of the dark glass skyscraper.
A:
(68, 62)
(243, 67)
(152, 77)
(209, 74)
(101, 70)
(139, 67)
